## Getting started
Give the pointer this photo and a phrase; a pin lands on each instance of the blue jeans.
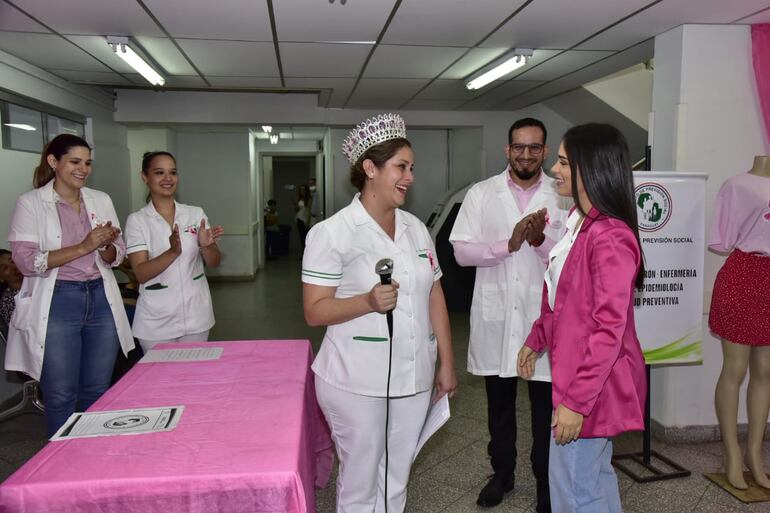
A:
(80, 350)
(581, 477)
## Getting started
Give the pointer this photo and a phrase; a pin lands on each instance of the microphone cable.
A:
(384, 268)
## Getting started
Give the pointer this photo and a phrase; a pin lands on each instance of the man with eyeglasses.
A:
(506, 226)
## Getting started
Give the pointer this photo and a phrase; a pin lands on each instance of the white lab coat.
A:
(36, 219)
(342, 252)
(506, 297)
(176, 302)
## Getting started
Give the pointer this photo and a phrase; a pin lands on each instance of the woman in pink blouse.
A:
(69, 319)
(587, 321)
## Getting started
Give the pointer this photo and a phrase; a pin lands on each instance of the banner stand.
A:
(644, 459)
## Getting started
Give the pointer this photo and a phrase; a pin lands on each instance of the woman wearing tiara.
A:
(358, 391)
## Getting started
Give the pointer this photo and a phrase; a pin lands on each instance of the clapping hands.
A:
(529, 229)
(101, 236)
(210, 235)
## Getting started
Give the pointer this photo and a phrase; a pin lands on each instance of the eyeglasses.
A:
(534, 149)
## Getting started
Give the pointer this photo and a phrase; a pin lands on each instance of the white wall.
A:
(466, 156)
(215, 174)
(109, 142)
(134, 106)
(706, 119)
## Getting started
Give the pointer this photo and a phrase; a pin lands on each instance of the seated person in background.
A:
(10, 283)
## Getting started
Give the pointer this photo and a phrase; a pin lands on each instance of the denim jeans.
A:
(582, 478)
(80, 350)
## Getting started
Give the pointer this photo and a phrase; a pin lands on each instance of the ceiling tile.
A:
(231, 58)
(322, 59)
(223, 19)
(761, 17)
(48, 51)
(245, 82)
(12, 19)
(556, 24)
(103, 17)
(390, 103)
(475, 59)
(561, 64)
(319, 20)
(410, 61)
(447, 22)
(92, 77)
(433, 104)
(167, 55)
(386, 87)
(447, 90)
(184, 81)
(664, 16)
(339, 88)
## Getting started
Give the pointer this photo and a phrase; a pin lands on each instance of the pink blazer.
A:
(596, 360)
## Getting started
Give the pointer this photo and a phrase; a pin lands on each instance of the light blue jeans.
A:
(581, 477)
(81, 345)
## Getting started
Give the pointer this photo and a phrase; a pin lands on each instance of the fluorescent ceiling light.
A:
(273, 139)
(267, 128)
(21, 126)
(120, 45)
(521, 55)
(286, 135)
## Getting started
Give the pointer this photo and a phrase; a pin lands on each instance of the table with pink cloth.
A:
(251, 439)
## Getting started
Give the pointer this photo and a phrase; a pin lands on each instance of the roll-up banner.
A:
(669, 309)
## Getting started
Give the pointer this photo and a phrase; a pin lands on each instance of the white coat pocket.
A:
(493, 301)
(22, 312)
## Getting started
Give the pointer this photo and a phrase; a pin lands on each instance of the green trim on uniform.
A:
(422, 255)
(201, 275)
(318, 274)
(370, 339)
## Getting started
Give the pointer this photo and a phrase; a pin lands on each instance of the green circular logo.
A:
(653, 206)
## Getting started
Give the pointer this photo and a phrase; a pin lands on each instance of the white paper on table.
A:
(438, 415)
(119, 422)
(190, 354)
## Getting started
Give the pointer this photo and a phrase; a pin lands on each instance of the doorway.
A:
(288, 173)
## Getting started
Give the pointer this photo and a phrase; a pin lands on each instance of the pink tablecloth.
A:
(251, 439)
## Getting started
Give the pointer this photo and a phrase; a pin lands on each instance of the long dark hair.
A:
(58, 147)
(599, 152)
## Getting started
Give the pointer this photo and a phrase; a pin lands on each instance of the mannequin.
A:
(761, 166)
(739, 315)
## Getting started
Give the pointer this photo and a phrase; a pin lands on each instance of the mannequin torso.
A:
(761, 166)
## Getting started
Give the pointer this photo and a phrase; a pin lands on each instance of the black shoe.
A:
(492, 494)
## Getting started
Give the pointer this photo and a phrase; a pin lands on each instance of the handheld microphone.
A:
(384, 267)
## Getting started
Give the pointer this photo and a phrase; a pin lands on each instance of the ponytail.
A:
(58, 147)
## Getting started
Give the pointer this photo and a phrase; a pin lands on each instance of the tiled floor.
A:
(453, 466)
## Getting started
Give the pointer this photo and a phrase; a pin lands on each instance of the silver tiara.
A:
(371, 132)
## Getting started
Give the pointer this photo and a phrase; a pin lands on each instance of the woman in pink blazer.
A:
(586, 322)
